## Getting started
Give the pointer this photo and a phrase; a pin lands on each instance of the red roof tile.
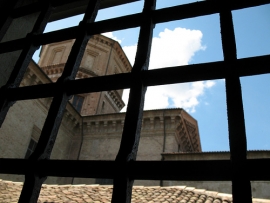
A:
(10, 192)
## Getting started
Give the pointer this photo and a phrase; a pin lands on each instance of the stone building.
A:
(92, 125)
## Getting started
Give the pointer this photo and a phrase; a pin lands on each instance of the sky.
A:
(194, 41)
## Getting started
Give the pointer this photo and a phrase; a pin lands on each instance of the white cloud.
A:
(172, 48)
(110, 35)
(184, 95)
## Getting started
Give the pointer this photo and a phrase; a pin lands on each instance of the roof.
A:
(221, 155)
(10, 192)
(212, 152)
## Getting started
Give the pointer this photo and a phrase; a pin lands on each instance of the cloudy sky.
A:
(194, 41)
(168, 50)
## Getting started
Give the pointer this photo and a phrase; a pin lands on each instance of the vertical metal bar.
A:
(122, 190)
(33, 181)
(241, 188)
(23, 60)
(5, 17)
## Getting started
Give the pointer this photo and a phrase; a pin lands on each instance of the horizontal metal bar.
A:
(164, 76)
(32, 92)
(99, 84)
(13, 45)
(65, 8)
(200, 9)
(41, 39)
(206, 71)
(126, 22)
(78, 7)
(37, 6)
(95, 84)
(211, 170)
(131, 21)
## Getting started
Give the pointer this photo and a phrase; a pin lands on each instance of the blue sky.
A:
(200, 37)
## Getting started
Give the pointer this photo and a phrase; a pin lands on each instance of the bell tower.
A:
(103, 56)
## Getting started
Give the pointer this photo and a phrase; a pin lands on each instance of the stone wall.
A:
(260, 189)
(102, 136)
(25, 120)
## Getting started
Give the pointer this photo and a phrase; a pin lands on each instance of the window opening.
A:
(257, 110)
(252, 33)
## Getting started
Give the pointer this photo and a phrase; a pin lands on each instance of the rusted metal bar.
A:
(123, 183)
(23, 60)
(241, 188)
(33, 183)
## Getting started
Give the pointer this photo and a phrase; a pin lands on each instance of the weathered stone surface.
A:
(95, 132)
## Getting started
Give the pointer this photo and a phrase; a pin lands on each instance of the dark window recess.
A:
(31, 147)
(77, 102)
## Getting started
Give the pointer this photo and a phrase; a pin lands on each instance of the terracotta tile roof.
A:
(10, 192)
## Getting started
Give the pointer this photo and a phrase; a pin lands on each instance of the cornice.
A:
(116, 46)
(114, 95)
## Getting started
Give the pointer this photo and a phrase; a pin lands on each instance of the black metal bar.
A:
(42, 39)
(200, 9)
(35, 7)
(62, 6)
(80, 8)
(23, 60)
(163, 76)
(26, 10)
(33, 183)
(131, 21)
(123, 183)
(241, 188)
(207, 170)
(13, 45)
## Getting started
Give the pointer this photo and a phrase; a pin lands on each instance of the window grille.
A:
(125, 168)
